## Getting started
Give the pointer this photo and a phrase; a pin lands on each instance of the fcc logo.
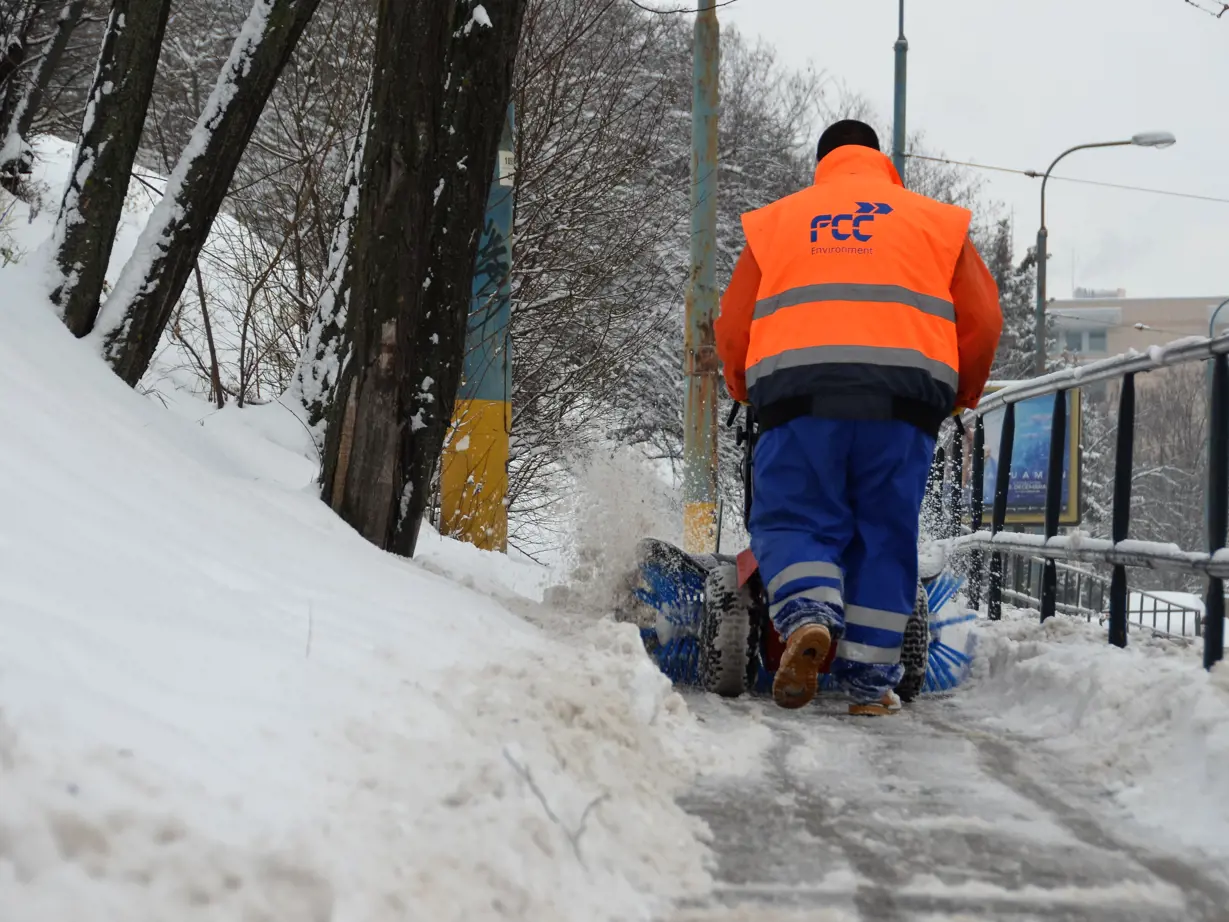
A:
(844, 226)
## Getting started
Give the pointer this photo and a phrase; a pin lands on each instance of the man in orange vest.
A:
(858, 318)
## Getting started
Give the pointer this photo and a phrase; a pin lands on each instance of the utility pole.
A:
(700, 359)
(898, 111)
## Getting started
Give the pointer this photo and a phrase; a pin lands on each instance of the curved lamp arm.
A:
(1071, 150)
(1157, 139)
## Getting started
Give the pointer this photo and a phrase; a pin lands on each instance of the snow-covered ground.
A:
(228, 265)
(218, 702)
(1146, 722)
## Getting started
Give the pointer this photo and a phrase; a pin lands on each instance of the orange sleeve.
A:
(733, 327)
(979, 321)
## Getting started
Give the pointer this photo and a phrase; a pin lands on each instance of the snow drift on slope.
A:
(218, 702)
(1146, 721)
(225, 265)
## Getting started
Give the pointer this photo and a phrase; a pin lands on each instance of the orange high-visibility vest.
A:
(854, 311)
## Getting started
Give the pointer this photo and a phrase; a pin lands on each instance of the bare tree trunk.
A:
(114, 117)
(21, 107)
(328, 348)
(442, 81)
(153, 280)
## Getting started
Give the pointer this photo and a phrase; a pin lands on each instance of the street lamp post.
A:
(1144, 139)
(1207, 507)
(898, 111)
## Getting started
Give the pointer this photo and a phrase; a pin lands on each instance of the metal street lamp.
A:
(1156, 139)
(898, 109)
(1207, 508)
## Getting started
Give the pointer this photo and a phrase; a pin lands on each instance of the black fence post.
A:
(1054, 499)
(1218, 508)
(1123, 465)
(999, 516)
(977, 563)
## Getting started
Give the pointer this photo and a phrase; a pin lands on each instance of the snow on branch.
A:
(1224, 8)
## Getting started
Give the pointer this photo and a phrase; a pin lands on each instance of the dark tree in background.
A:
(153, 280)
(1017, 284)
(440, 90)
(23, 86)
(114, 118)
(17, 22)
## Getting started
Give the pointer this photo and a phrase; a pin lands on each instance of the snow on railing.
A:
(1179, 352)
(1151, 555)
(1120, 551)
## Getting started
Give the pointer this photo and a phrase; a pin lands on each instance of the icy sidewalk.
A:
(217, 702)
(931, 816)
(1068, 780)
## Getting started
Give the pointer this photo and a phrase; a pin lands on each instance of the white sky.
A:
(1014, 83)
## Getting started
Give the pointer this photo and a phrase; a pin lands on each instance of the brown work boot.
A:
(797, 678)
(886, 706)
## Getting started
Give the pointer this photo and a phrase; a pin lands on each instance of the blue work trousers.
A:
(834, 528)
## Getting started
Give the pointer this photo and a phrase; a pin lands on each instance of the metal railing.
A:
(1120, 551)
(1084, 594)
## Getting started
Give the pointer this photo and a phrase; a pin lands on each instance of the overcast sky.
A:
(1013, 83)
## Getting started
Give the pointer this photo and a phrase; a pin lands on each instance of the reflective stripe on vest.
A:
(843, 291)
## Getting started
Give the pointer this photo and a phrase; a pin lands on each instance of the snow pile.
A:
(1147, 722)
(218, 702)
(225, 264)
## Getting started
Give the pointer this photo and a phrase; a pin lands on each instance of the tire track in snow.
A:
(1010, 761)
(922, 818)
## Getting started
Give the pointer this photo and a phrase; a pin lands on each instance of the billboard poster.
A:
(1026, 491)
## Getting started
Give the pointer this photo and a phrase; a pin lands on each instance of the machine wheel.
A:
(727, 638)
(914, 654)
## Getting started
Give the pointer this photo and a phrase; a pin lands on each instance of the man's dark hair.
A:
(848, 131)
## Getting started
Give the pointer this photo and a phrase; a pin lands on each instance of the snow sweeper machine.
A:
(704, 618)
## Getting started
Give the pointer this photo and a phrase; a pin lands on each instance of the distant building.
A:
(1095, 327)
(1096, 324)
